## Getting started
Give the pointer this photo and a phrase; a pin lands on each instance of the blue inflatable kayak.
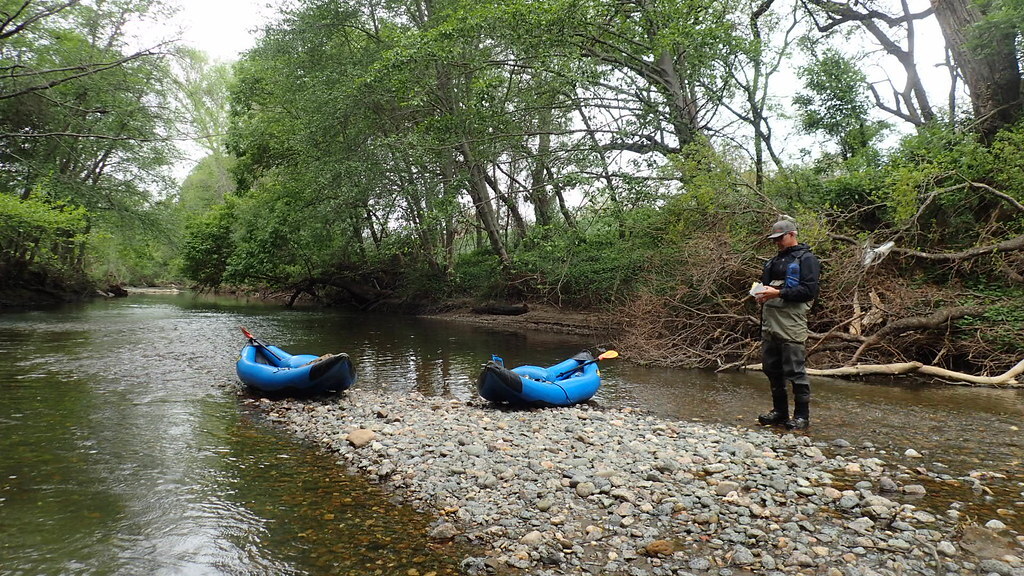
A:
(569, 382)
(268, 368)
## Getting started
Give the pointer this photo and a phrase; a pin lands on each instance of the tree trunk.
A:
(540, 196)
(510, 201)
(932, 321)
(683, 110)
(992, 73)
(570, 221)
(1007, 379)
(477, 187)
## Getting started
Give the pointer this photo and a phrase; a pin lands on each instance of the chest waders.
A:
(783, 361)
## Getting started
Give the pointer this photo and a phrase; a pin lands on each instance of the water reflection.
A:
(124, 452)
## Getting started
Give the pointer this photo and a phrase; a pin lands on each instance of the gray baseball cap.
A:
(781, 227)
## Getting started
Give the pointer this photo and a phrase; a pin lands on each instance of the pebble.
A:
(586, 490)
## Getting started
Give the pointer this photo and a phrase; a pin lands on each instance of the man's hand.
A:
(766, 294)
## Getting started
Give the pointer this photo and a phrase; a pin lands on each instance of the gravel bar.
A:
(586, 490)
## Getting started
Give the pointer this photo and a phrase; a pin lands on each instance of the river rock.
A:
(660, 548)
(361, 437)
(585, 490)
(914, 490)
(886, 484)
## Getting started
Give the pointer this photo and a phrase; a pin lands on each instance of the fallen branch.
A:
(1012, 245)
(1001, 195)
(1007, 379)
(932, 321)
(501, 309)
(834, 329)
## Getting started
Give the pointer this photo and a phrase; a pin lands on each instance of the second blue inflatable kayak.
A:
(569, 382)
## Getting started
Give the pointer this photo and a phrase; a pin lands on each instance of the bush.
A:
(40, 240)
(478, 274)
(208, 247)
(569, 268)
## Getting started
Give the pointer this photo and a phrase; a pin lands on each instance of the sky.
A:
(221, 28)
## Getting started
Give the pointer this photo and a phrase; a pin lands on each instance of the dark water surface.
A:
(124, 450)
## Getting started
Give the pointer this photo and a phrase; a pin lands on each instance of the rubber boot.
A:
(773, 418)
(801, 414)
(779, 413)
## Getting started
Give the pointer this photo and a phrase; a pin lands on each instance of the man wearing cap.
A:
(790, 281)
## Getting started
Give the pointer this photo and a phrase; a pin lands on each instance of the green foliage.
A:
(208, 246)
(835, 102)
(422, 119)
(137, 249)
(65, 91)
(207, 185)
(1007, 164)
(576, 269)
(83, 123)
(1002, 325)
(709, 179)
(201, 94)
(39, 239)
(560, 265)
(945, 174)
(1001, 19)
(478, 274)
(40, 219)
(385, 150)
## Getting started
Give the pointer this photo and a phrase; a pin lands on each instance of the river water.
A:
(125, 449)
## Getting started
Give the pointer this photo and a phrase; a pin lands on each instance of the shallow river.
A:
(124, 448)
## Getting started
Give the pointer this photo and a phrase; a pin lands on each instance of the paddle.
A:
(604, 356)
(254, 340)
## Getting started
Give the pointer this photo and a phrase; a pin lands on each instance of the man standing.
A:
(790, 282)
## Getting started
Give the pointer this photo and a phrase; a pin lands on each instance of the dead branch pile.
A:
(867, 320)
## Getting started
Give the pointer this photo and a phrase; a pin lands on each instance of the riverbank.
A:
(600, 491)
(601, 325)
(19, 298)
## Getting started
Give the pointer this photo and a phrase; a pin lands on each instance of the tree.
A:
(202, 98)
(75, 110)
(897, 37)
(761, 58)
(834, 102)
(203, 90)
(83, 118)
(984, 47)
(208, 247)
(207, 185)
(980, 36)
(665, 60)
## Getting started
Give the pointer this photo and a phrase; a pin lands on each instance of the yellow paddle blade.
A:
(608, 354)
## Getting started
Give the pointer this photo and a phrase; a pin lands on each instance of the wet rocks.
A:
(600, 491)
